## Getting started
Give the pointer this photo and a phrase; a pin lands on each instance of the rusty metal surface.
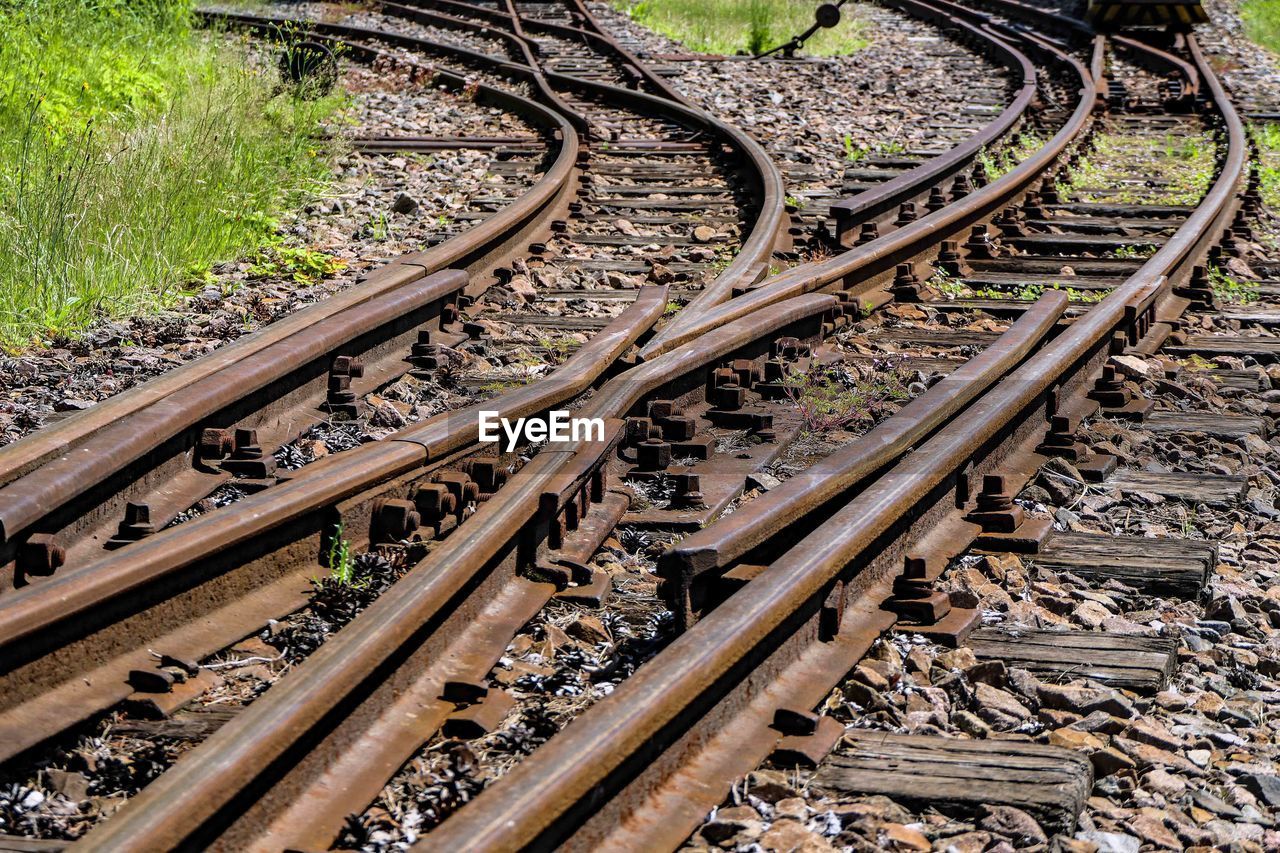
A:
(1155, 58)
(85, 450)
(638, 769)
(173, 810)
(714, 548)
(752, 259)
(887, 196)
(904, 243)
(87, 619)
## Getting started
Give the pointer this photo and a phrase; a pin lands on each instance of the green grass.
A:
(1229, 289)
(135, 153)
(1185, 161)
(996, 165)
(1267, 137)
(1262, 22)
(745, 26)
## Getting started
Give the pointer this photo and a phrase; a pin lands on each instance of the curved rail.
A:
(259, 747)
(907, 242)
(49, 470)
(632, 772)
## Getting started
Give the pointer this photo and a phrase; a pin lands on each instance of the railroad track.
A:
(773, 602)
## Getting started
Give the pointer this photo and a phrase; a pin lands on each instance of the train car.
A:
(1124, 14)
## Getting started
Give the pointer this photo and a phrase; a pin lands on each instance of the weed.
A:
(1229, 289)
(832, 397)
(304, 266)
(342, 566)
(996, 165)
(1133, 252)
(795, 202)
(1267, 138)
(1184, 164)
(558, 348)
(854, 153)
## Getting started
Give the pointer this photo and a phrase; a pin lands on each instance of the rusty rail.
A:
(858, 268)
(787, 508)
(752, 261)
(110, 451)
(401, 631)
(640, 768)
(70, 642)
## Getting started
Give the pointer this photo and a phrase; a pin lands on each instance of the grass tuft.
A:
(745, 26)
(135, 153)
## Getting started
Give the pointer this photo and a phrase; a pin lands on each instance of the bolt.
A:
(348, 365)
(653, 454)
(395, 519)
(137, 522)
(215, 443)
(40, 555)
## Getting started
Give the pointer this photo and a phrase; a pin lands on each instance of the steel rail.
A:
(711, 550)
(1155, 58)
(67, 645)
(862, 264)
(875, 203)
(249, 755)
(638, 769)
(885, 198)
(437, 437)
(97, 452)
(751, 262)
